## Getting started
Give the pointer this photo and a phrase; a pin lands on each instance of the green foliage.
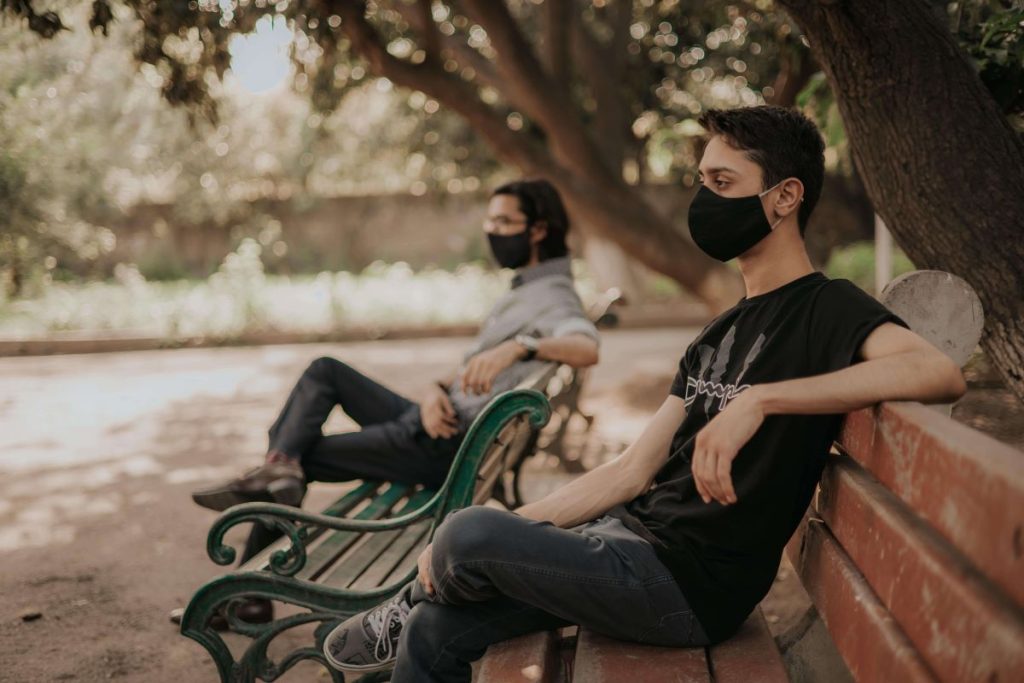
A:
(992, 32)
(241, 298)
(856, 262)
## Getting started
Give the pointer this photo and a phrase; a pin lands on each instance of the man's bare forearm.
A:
(577, 350)
(911, 376)
(584, 498)
(617, 481)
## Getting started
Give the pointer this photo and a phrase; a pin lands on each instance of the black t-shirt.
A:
(725, 558)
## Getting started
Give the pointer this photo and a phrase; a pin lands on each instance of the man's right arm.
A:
(617, 481)
(436, 410)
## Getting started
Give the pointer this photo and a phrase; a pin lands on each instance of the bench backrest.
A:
(501, 433)
(913, 549)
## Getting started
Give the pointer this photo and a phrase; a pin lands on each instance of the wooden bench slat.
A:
(962, 626)
(866, 635)
(600, 659)
(349, 567)
(335, 544)
(338, 508)
(749, 656)
(409, 543)
(967, 485)
(408, 562)
(488, 474)
(533, 658)
(350, 500)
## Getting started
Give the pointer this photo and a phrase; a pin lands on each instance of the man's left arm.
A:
(898, 365)
(575, 349)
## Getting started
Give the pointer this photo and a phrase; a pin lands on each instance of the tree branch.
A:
(558, 20)
(456, 46)
(796, 66)
(428, 29)
(531, 90)
(453, 92)
(603, 68)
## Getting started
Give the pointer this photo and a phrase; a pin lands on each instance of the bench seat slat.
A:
(866, 635)
(409, 543)
(533, 658)
(349, 567)
(600, 659)
(336, 544)
(965, 484)
(407, 563)
(338, 508)
(963, 627)
(750, 655)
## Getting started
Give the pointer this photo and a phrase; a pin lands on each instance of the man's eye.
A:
(719, 183)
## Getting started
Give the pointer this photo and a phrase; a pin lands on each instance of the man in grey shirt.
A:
(539, 319)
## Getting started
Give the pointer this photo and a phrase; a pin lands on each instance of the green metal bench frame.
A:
(273, 574)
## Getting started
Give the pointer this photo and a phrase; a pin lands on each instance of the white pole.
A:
(883, 255)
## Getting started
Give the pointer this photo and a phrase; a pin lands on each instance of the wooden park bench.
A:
(362, 548)
(913, 550)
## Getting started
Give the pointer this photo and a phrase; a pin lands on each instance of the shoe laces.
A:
(385, 619)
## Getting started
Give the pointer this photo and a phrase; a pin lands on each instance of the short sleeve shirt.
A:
(724, 558)
(542, 302)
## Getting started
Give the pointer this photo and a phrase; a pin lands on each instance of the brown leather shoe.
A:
(278, 482)
(251, 611)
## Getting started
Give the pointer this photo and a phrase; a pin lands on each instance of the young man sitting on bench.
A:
(678, 539)
(539, 319)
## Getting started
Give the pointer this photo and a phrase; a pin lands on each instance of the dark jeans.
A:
(390, 446)
(498, 575)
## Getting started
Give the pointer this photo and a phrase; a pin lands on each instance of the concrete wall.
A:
(352, 232)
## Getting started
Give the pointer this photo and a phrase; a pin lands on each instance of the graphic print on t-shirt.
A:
(713, 387)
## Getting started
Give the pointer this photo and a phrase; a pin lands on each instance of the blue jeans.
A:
(498, 575)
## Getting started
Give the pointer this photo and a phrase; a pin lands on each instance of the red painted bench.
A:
(586, 657)
(913, 550)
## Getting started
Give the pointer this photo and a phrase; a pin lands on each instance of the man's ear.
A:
(791, 193)
(538, 231)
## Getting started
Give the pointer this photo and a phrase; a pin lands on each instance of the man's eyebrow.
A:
(717, 169)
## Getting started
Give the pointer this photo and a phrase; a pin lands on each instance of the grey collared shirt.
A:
(541, 303)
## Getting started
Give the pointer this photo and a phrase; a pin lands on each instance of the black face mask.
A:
(727, 227)
(511, 251)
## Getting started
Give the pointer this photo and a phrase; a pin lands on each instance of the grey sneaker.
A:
(368, 641)
(278, 482)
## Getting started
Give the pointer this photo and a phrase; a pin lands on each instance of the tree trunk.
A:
(940, 162)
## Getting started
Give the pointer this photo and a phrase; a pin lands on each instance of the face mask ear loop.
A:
(761, 194)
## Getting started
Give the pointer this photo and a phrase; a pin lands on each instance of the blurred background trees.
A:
(238, 119)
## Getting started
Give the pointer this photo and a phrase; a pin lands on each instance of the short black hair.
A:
(783, 142)
(540, 201)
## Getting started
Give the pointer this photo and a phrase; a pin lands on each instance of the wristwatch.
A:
(529, 343)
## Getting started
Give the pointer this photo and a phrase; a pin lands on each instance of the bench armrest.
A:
(294, 523)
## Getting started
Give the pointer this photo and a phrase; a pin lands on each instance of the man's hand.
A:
(423, 562)
(438, 415)
(718, 443)
(479, 373)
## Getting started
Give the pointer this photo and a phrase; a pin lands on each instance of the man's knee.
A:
(469, 534)
(462, 546)
(325, 366)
